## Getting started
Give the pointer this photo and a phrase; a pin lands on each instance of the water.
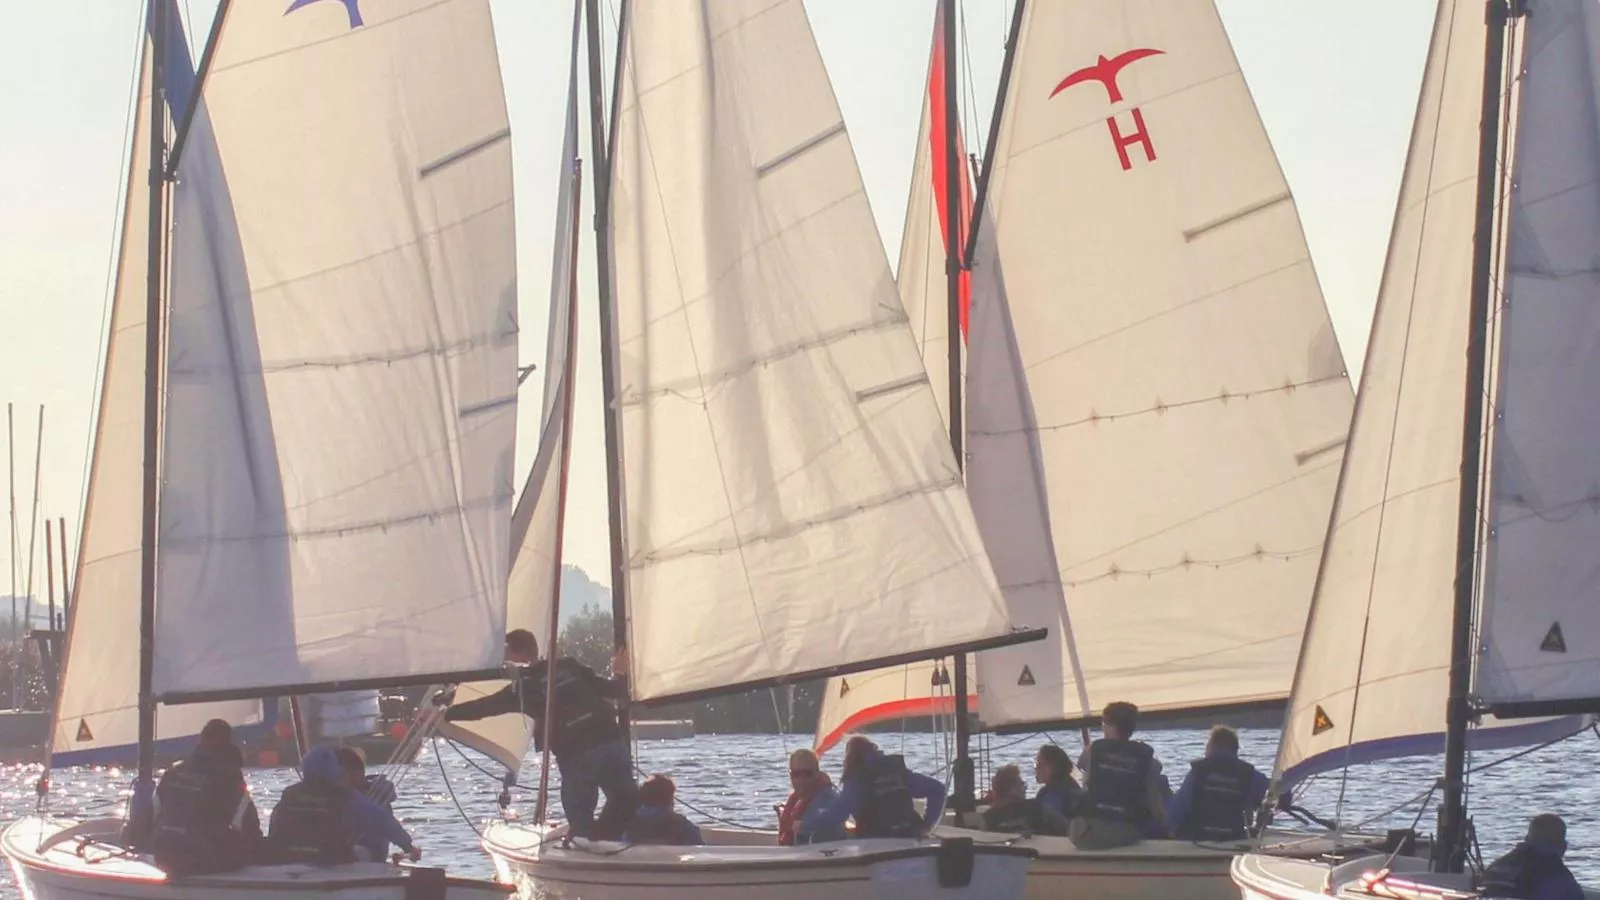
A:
(738, 778)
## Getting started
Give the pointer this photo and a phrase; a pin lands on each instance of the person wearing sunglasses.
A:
(810, 785)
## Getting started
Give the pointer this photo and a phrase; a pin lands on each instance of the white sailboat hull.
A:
(1148, 870)
(742, 865)
(69, 860)
(1260, 876)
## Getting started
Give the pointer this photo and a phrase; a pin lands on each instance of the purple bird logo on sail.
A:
(352, 8)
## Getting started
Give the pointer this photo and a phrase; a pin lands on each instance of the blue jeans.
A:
(584, 776)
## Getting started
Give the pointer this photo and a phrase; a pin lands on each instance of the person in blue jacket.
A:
(1533, 870)
(1218, 795)
(877, 791)
(320, 820)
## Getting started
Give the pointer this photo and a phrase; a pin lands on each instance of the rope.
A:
(445, 777)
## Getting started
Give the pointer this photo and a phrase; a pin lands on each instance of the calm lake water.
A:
(737, 779)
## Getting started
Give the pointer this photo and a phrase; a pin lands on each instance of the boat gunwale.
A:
(20, 855)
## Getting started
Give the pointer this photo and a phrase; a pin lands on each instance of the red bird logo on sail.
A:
(1106, 71)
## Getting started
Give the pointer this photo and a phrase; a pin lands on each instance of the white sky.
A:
(1336, 83)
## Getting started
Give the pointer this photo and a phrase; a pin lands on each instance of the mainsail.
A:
(1539, 624)
(96, 715)
(340, 414)
(792, 505)
(1156, 399)
(1373, 674)
(536, 525)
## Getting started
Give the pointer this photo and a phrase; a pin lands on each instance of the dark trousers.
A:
(607, 769)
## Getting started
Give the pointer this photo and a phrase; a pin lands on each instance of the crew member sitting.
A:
(1219, 794)
(205, 821)
(1122, 792)
(1533, 870)
(590, 749)
(878, 792)
(1057, 789)
(656, 822)
(1011, 810)
(811, 786)
(319, 820)
(377, 787)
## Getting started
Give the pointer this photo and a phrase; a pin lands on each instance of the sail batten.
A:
(1154, 389)
(338, 434)
(792, 503)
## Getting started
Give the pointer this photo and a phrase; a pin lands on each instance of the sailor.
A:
(810, 785)
(205, 821)
(656, 822)
(1012, 810)
(878, 790)
(1123, 799)
(377, 787)
(1533, 870)
(1058, 791)
(587, 741)
(319, 820)
(1219, 794)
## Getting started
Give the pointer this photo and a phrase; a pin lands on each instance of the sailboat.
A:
(784, 502)
(1155, 403)
(1451, 611)
(301, 472)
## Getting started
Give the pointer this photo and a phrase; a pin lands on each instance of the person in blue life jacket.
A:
(1219, 795)
(878, 791)
(204, 819)
(321, 821)
(377, 787)
(1123, 800)
(1012, 810)
(1533, 870)
(1058, 791)
(586, 739)
(656, 822)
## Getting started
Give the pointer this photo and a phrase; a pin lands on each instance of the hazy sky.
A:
(1336, 83)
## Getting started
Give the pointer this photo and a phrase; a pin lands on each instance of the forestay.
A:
(1156, 399)
(1540, 623)
(339, 423)
(97, 710)
(536, 524)
(909, 690)
(792, 504)
(1373, 673)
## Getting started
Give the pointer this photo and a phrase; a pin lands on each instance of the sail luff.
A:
(779, 427)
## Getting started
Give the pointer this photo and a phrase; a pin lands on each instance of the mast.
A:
(600, 147)
(965, 790)
(152, 396)
(1450, 848)
(987, 163)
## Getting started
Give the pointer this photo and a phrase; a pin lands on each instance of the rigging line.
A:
(1388, 469)
(445, 776)
(108, 294)
(712, 816)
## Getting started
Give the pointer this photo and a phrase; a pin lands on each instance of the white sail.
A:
(96, 716)
(919, 690)
(339, 426)
(536, 525)
(1156, 399)
(1540, 624)
(1373, 675)
(792, 504)
(910, 690)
